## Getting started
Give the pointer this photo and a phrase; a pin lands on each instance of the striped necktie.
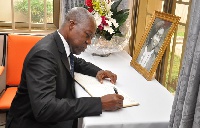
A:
(72, 64)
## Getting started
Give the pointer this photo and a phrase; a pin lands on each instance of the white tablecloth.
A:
(155, 100)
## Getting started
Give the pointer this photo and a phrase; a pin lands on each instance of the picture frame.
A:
(153, 43)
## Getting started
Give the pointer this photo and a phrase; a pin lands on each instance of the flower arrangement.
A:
(108, 18)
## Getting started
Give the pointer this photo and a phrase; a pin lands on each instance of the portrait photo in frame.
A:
(153, 43)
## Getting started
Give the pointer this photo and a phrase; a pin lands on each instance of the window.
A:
(29, 16)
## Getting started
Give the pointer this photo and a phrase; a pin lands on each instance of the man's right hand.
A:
(112, 102)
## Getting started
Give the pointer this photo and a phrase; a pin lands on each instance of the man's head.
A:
(78, 29)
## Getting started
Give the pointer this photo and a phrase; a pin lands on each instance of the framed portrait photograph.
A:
(153, 43)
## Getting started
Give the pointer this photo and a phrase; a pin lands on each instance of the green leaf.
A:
(121, 18)
(121, 15)
(108, 36)
(115, 5)
(122, 12)
(118, 34)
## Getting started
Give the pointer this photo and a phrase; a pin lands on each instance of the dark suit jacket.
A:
(46, 94)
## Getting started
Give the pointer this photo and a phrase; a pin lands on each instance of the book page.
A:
(95, 89)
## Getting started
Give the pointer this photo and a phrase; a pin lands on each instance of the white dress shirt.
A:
(67, 49)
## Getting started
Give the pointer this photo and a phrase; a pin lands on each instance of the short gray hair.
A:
(79, 15)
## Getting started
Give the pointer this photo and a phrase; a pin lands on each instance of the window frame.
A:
(32, 27)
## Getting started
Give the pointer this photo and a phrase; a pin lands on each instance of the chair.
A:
(17, 48)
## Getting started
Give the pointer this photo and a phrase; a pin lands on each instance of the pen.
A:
(116, 92)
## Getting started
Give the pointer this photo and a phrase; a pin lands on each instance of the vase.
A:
(102, 47)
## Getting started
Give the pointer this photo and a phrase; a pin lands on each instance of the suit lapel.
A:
(62, 51)
(64, 58)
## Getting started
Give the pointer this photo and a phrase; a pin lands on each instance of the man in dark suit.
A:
(46, 94)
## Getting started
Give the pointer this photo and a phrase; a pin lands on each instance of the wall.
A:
(6, 13)
(5, 10)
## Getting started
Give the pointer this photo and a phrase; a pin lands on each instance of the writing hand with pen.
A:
(110, 102)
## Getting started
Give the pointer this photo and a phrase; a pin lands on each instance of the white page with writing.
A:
(95, 89)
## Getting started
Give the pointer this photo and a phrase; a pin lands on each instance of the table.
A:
(155, 100)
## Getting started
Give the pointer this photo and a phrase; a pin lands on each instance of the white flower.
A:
(114, 22)
(98, 19)
(109, 22)
(109, 14)
(109, 3)
(109, 29)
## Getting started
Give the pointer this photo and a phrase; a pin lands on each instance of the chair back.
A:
(17, 48)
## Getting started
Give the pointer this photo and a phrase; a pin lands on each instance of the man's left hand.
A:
(102, 74)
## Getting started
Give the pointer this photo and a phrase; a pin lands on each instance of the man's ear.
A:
(71, 24)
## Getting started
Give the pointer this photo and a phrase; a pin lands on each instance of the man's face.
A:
(81, 35)
(156, 38)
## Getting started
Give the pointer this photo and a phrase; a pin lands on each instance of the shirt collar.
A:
(67, 49)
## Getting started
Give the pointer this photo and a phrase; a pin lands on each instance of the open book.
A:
(95, 89)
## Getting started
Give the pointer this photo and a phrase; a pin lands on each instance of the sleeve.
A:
(84, 67)
(41, 71)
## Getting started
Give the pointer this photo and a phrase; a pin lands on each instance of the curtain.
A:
(186, 107)
(66, 5)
